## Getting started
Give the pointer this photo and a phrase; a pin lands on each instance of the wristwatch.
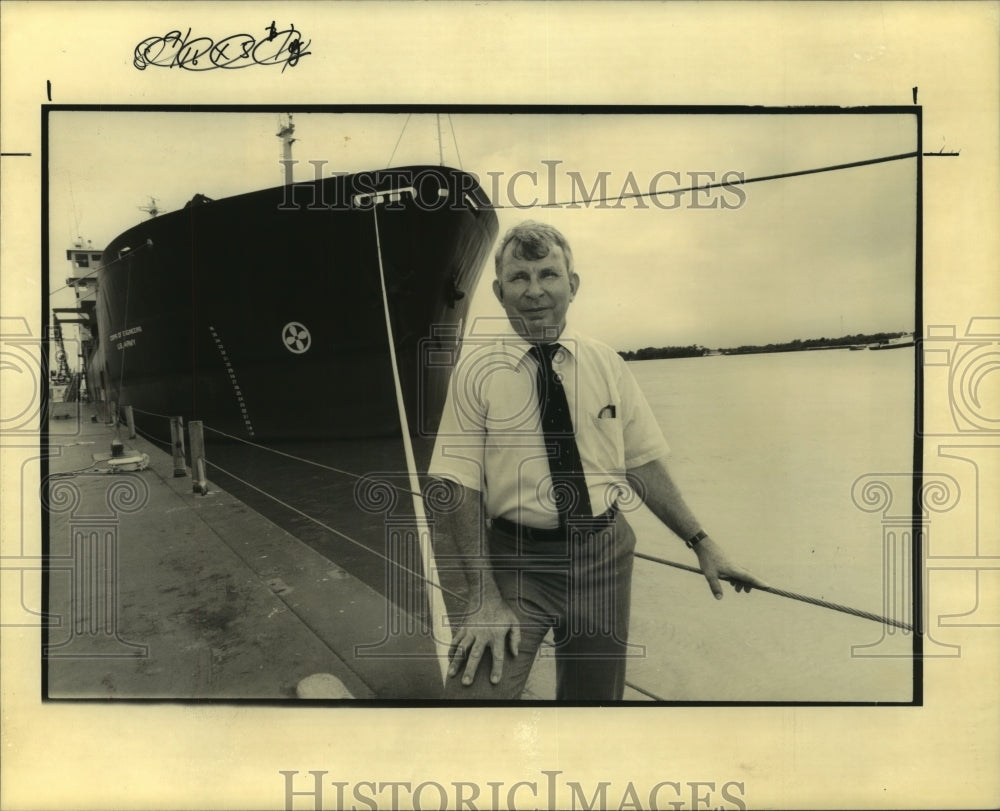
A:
(695, 539)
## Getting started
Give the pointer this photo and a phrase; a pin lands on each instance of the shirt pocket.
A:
(608, 444)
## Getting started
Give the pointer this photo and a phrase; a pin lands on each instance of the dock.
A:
(159, 592)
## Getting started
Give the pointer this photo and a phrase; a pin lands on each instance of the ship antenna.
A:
(440, 148)
(76, 214)
(285, 132)
(151, 209)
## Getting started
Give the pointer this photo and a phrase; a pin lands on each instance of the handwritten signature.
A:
(177, 50)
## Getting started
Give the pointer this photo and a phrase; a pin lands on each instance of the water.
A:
(766, 449)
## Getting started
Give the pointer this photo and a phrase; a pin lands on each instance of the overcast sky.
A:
(813, 256)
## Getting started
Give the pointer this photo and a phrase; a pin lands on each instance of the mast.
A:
(152, 210)
(286, 131)
(86, 263)
(440, 146)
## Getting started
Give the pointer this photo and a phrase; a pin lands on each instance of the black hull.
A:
(263, 316)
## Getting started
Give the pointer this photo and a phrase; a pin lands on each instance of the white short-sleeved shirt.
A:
(490, 438)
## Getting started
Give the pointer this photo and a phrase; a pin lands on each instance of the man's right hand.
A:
(491, 626)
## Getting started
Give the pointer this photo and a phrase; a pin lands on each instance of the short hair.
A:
(533, 240)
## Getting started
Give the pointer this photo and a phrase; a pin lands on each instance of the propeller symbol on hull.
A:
(296, 337)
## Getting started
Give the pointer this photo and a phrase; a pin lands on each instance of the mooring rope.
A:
(441, 630)
(151, 413)
(337, 532)
(789, 594)
(663, 561)
(152, 438)
(294, 457)
(644, 691)
(400, 138)
(305, 515)
(735, 182)
(436, 585)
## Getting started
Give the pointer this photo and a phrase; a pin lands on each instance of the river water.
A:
(767, 450)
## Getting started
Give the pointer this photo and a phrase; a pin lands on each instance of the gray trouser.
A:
(579, 587)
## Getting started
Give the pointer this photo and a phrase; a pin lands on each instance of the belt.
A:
(560, 533)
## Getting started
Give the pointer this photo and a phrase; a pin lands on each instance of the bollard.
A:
(130, 419)
(199, 483)
(177, 439)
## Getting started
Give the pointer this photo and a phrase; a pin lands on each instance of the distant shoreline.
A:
(881, 340)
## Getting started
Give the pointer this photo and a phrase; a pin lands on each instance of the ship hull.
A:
(265, 315)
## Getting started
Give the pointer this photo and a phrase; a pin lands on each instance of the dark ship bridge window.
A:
(82, 260)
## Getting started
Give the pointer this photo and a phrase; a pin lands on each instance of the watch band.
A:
(695, 539)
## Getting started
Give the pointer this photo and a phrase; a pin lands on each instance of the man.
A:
(545, 436)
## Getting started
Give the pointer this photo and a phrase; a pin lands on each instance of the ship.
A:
(896, 343)
(312, 329)
(302, 311)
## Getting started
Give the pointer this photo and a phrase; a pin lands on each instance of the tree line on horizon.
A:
(697, 351)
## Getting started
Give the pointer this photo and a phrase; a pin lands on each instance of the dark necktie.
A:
(568, 483)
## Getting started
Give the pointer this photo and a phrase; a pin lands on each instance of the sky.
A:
(820, 255)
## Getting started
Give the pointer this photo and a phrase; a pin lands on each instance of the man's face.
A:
(536, 293)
